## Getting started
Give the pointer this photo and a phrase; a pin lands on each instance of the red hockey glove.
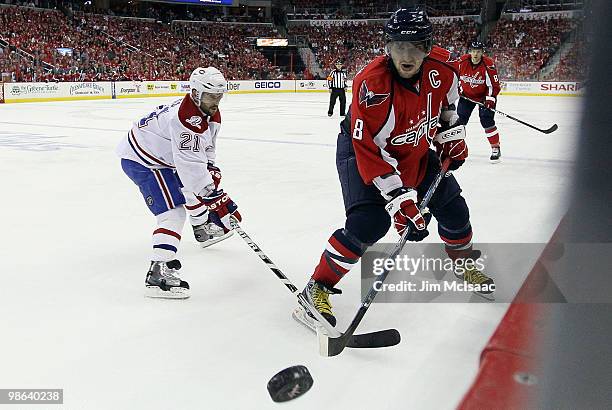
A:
(215, 173)
(221, 208)
(457, 151)
(450, 143)
(406, 214)
(490, 102)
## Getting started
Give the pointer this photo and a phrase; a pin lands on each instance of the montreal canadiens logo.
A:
(195, 121)
(370, 98)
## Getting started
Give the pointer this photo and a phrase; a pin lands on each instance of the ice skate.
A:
(163, 282)
(317, 295)
(209, 233)
(485, 285)
(495, 155)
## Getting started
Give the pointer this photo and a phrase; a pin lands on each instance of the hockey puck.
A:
(290, 383)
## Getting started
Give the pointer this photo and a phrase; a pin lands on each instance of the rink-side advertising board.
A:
(261, 86)
(539, 89)
(138, 89)
(39, 92)
(314, 86)
(142, 89)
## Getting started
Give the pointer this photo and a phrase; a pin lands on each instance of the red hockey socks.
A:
(339, 256)
(492, 136)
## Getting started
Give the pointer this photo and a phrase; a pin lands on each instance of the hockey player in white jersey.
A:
(170, 154)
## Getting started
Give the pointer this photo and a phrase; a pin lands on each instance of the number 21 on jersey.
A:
(186, 145)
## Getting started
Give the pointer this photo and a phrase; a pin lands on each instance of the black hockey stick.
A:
(381, 338)
(333, 346)
(546, 131)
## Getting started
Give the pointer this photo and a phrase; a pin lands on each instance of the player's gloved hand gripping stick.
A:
(553, 128)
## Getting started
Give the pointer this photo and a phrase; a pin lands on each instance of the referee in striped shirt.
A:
(336, 81)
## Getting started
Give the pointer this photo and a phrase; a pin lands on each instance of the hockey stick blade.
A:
(338, 340)
(333, 346)
(381, 338)
(551, 129)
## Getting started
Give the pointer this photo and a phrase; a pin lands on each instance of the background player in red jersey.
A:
(385, 162)
(479, 82)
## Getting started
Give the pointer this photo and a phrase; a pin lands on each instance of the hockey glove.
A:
(221, 208)
(215, 173)
(405, 213)
(450, 143)
(490, 102)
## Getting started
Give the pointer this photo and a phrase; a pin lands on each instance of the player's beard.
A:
(209, 110)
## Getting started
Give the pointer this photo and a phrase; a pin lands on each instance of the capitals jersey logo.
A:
(474, 81)
(195, 121)
(420, 128)
(370, 98)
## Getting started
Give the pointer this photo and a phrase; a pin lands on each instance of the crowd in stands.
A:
(69, 42)
(525, 6)
(165, 12)
(371, 9)
(100, 47)
(357, 44)
(522, 47)
(572, 67)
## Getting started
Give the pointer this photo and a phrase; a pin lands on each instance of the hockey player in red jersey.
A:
(479, 82)
(385, 162)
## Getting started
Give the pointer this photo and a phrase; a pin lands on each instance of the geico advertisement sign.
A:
(267, 84)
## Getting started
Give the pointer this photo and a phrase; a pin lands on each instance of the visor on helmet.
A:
(409, 49)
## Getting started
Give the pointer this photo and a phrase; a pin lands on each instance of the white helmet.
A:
(206, 80)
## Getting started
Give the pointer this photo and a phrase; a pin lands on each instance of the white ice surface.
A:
(76, 244)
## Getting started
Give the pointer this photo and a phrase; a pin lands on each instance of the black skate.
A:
(209, 233)
(495, 155)
(162, 281)
(317, 295)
